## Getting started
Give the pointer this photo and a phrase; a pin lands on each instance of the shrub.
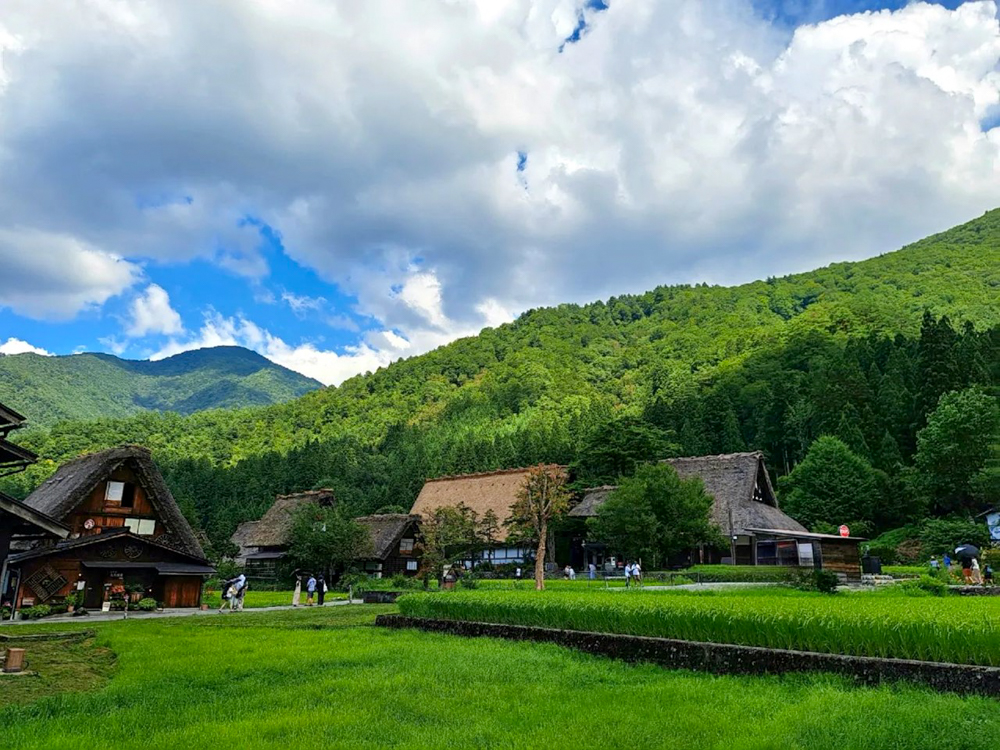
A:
(146, 604)
(36, 612)
(468, 582)
(926, 584)
(824, 581)
(909, 551)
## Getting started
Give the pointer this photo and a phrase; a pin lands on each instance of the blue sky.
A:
(340, 187)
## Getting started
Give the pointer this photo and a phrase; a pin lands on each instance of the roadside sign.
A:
(844, 531)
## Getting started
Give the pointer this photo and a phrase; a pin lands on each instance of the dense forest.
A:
(88, 386)
(868, 372)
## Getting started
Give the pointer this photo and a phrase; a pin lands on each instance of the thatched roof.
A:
(61, 493)
(386, 530)
(738, 483)
(9, 420)
(492, 490)
(102, 538)
(23, 519)
(275, 527)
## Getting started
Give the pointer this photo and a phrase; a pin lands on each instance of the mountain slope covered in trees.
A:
(91, 386)
(860, 351)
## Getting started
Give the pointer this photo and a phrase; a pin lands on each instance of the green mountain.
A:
(862, 351)
(93, 386)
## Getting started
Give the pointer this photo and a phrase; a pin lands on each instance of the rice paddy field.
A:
(951, 629)
(328, 679)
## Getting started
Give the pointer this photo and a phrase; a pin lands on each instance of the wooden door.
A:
(182, 591)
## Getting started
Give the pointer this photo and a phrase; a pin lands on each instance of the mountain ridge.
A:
(100, 385)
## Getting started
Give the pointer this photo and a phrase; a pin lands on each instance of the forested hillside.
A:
(861, 351)
(91, 386)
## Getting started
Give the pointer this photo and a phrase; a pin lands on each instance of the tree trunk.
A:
(540, 558)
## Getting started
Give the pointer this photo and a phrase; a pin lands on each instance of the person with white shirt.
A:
(637, 573)
(628, 574)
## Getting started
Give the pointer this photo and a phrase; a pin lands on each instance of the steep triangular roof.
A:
(491, 490)
(275, 526)
(386, 529)
(738, 483)
(61, 493)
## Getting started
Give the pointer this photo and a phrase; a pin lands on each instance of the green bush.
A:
(926, 584)
(824, 581)
(146, 604)
(468, 582)
(36, 612)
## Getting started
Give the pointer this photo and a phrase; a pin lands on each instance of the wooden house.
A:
(263, 544)
(745, 508)
(13, 458)
(492, 490)
(125, 529)
(394, 546)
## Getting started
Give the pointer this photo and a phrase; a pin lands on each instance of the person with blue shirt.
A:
(310, 590)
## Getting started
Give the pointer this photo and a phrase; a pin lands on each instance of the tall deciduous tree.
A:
(325, 540)
(656, 514)
(953, 449)
(542, 498)
(832, 484)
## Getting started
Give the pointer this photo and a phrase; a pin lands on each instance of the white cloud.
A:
(302, 305)
(679, 141)
(16, 346)
(151, 313)
(54, 276)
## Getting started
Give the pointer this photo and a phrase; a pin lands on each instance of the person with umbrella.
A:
(967, 553)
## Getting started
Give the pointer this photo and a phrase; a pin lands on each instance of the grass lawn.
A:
(324, 678)
(256, 599)
(71, 664)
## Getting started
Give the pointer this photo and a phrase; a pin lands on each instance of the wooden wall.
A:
(110, 516)
(842, 556)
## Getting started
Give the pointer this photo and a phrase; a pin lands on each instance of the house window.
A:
(374, 569)
(411, 565)
(120, 493)
(141, 526)
(406, 545)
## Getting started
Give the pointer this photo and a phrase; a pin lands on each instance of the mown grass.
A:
(257, 599)
(72, 664)
(951, 629)
(325, 679)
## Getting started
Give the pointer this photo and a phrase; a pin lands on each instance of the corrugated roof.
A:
(738, 483)
(275, 527)
(386, 530)
(493, 490)
(61, 493)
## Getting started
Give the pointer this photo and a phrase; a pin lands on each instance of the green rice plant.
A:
(950, 629)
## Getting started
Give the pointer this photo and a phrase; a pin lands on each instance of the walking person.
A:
(297, 593)
(241, 595)
(977, 576)
(988, 574)
(628, 574)
(935, 565)
(228, 592)
(637, 573)
(572, 573)
(320, 589)
(310, 590)
(591, 571)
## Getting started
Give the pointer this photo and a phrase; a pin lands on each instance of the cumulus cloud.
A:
(16, 346)
(445, 162)
(53, 276)
(151, 313)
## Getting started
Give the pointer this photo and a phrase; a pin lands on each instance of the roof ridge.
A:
(495, 472)
(739, 454)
